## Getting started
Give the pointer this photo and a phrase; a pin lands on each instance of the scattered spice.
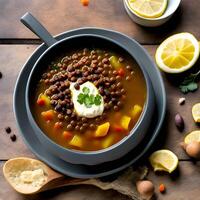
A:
(8, 130)
(162, 188)
(181, 101)
(189, 84)
(179, 122)
(13, 138)
(85, 2)
(1, 75)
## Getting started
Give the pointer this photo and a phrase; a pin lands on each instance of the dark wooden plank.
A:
(183, 185)
(12, 59)
(62, 15)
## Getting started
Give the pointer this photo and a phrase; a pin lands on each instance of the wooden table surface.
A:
(17, 43)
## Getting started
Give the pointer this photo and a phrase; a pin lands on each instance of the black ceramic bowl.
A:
(117, 150)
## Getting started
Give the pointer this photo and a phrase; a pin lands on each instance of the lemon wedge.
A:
(177, 53)
(196, 112)
(164, 160)
(148, 8)
(192, 136)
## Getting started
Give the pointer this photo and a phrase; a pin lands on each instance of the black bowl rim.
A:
(79, 152)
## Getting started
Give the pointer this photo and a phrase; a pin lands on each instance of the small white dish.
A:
(153, 22)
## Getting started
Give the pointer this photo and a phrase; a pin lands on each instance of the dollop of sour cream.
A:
(81, 109)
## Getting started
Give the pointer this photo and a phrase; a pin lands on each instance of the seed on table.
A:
(8, 130)
(13, 138)
(179, 122)
(181, 101)
(132, 72)
(128, 78)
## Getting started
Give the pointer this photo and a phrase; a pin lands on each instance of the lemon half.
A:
(196, 112)
(193, 136)
(177, 53)
(148, 8)
(164, 160)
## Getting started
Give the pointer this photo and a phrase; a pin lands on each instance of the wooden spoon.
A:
(51, 179)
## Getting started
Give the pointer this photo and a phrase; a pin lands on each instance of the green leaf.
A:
(81, 98)
(191, 87)
(54, 67)
(86, 90)
(189, 83)
(97, 100)
(88, 103)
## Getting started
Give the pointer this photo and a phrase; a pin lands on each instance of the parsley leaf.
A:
(86, 90)
(54, 67)
(189, 83)
(88, 99)
(81, 98)
(97, 100)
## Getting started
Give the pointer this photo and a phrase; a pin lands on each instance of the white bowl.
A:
(153, 22)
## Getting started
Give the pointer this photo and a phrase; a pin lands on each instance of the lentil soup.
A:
(89, 99)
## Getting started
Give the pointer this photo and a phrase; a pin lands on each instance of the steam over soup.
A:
(89, 99)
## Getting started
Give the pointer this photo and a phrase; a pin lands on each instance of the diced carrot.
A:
(57, 125)
(117, 128)
(67, 135)
(41, 102)
(76, 141)
(125, 121)
(102, 130)
(121, 72)
(48, 115)
(85, 2)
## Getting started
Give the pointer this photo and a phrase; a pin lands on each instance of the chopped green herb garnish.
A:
(97, 100)
(88, 99)
(189, 84)
(86, 90)
(54, 67)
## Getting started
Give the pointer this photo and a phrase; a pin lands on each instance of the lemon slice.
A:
(196, 112)
(177, 53)
(193, 136)
(148, 8)
(163, 160)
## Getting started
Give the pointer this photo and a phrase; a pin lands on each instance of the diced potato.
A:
(108, 141)
(76, 141)
(48, 115)
(114, 62)
(125, 120)
(102, 130)
(136, 111)
(43, 98)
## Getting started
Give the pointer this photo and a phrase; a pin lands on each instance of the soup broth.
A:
(89, 99)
